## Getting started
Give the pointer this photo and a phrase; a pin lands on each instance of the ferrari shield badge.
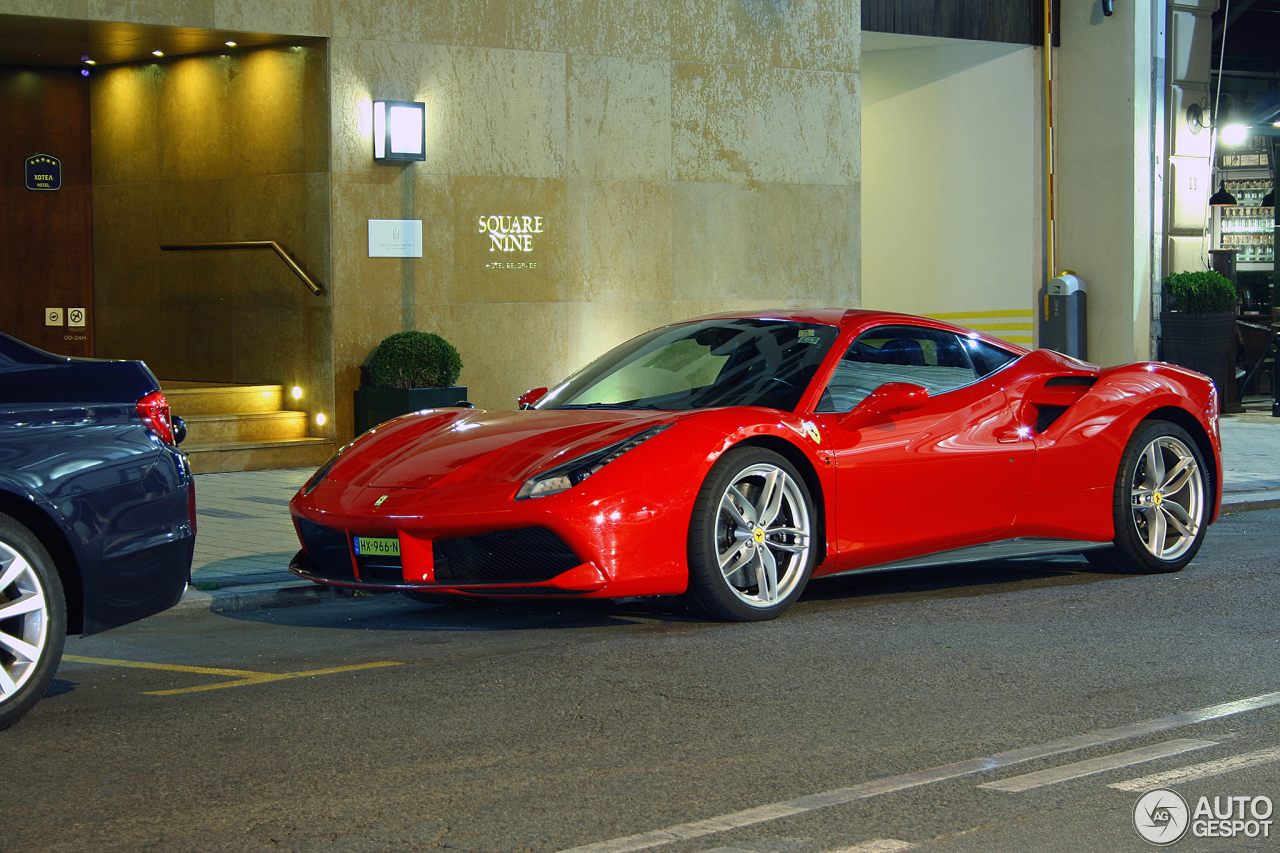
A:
(811, 430)
(380, 500)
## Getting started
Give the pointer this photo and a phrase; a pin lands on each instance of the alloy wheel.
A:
(1168, 498)
(24, 620)
(763, 535)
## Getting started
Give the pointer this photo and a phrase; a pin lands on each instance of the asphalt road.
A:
(886, 712)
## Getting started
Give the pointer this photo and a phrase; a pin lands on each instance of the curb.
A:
(1250, 501)
(256, 596)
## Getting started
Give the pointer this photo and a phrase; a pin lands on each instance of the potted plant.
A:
(407, 372)
(1198, 327)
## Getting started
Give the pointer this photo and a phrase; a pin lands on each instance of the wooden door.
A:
(46, 236)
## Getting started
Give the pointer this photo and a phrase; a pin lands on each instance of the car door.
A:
(946, 470)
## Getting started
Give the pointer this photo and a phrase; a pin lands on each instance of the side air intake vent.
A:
(1046, 415)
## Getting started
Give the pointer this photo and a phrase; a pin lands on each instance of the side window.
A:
(986, 358)
(934, 359)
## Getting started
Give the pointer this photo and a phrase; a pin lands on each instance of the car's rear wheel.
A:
(751, 537)
(33, 620)
(1161, 503)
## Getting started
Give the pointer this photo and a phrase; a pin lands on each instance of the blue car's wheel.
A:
(33, 620)
(751, 537)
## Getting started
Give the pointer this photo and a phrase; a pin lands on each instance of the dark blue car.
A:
(97, 508)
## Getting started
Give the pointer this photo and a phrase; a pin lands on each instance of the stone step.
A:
(221, 457)
(201, 398)
(246, 426)
(242, 428)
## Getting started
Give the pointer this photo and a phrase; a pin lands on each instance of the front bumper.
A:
(523, 561)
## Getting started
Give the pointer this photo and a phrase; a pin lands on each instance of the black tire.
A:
(753, 512)
(1161, 503)
(33, 621)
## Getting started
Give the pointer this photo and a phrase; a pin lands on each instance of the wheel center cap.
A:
(1157, 498)
(758, 535)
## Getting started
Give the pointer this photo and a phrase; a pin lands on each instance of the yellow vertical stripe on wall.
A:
(1015, 325)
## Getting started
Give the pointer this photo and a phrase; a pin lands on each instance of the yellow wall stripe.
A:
(1015, 325)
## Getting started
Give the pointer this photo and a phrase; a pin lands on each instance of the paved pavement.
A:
(245, 537)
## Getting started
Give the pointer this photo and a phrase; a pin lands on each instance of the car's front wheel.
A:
(1161, 503)
(33, 620)
(751, 546)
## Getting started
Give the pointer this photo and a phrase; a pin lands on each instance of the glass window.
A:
(734, 362)
(986, 358)
(934, 359)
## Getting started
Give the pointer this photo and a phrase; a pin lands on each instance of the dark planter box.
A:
(1201, 342)
(377, 405)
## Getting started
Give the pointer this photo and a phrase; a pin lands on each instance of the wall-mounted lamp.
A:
(1222, 197)
(399, 131)
(1234, 134)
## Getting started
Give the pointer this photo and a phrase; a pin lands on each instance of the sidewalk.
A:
(245, 537)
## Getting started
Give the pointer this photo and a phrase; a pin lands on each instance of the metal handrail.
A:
(311, 283)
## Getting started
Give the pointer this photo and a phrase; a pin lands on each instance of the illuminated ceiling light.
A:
(229, 43)
(399, 131)
(157, 53)
(1234, 134)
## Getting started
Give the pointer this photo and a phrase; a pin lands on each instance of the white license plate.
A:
(371, 546)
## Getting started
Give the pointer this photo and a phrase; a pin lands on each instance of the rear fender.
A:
(1081, 448)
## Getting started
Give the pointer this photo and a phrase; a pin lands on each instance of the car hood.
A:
(447, 445)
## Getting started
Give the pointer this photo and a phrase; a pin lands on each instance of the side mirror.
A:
(891, 398)
(530, 397)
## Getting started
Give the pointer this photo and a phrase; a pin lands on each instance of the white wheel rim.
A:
(24, 621)
(763, 535)
(1167, 495)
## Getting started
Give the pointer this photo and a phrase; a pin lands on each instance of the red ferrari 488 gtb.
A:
(731, 458)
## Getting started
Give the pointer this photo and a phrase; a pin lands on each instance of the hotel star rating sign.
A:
(43, 173)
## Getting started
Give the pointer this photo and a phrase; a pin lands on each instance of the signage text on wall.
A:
(511, 233)
(43, 173)
(395, 238)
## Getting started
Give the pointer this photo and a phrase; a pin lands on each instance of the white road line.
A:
(905, 781)
(1067, 772)
(1200, 771)
(879, 845)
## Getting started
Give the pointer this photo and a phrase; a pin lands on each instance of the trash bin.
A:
(1063, 304)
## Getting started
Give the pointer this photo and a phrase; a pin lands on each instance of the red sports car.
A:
(731, 458)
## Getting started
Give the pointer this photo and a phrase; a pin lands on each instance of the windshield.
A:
(701, 365)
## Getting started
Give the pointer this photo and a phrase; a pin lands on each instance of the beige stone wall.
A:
(1104, 178)
(952, 178)
(214, 149)
(685, 157)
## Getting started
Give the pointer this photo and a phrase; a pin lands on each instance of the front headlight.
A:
(569, 474)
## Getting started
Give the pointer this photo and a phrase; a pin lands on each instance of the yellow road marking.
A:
(172, 667)
(243, 677)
